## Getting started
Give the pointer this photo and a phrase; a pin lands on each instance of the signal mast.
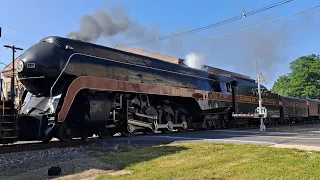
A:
(261, 112)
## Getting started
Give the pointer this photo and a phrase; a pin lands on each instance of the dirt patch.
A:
(86, 175)
(314, 132)
(302, 128)
(294, 146)
(92, 174)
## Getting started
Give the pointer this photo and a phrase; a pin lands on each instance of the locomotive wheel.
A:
(84, 133)
(149, 131)
(169, 127)
(150, 112)
(47, 139)
(129, 131)
(167, 118)
(182, 118)
(184, 123)
(153, 130)
(65, 132)
(104, 133)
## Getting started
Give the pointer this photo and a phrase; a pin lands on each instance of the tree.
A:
(304, 79)
(281, 85)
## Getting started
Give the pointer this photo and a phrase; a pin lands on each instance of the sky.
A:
(273, 45)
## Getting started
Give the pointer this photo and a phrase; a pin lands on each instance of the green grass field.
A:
(210, 161)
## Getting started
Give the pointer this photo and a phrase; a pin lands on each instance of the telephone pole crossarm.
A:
(13, 47)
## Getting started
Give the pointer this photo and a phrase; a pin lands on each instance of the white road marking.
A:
(203, 139)
(254, 132)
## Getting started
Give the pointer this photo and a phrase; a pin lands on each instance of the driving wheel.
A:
(65, 132)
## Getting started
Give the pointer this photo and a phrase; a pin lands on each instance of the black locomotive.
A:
(77, 89)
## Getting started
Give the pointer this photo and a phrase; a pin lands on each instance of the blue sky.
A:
(274, 45)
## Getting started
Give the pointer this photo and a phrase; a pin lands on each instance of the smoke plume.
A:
(195, 60)
(238, 52)
(108, 22)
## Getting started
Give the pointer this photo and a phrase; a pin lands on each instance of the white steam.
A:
(195, 60)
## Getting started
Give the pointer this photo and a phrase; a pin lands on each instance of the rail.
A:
(38, 146)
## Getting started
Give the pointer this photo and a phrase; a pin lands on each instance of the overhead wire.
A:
(18, 40)
(13, 39)
(254, 26)
(23, 30)
(235, 18)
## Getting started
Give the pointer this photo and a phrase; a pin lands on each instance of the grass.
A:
(215, 161)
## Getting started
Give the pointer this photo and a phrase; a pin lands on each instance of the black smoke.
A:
(110, 21)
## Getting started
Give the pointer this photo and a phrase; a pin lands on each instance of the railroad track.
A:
(32, 146)
(38, 146)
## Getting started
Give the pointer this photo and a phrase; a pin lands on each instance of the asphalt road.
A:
(309, 141)
(224, 136)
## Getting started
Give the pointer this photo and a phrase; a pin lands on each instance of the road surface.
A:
(309, 141)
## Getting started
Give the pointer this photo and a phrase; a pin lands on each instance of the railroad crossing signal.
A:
(263, 78)
(261, 111)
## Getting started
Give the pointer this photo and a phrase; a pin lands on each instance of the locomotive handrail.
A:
(55, 82)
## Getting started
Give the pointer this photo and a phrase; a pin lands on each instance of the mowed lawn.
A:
(210, 161)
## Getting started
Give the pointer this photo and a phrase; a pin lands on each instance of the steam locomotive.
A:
(77, 89)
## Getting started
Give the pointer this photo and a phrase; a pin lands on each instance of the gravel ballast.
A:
(75, 163)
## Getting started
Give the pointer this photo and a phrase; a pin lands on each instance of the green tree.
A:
(281, 85)
(304, 79)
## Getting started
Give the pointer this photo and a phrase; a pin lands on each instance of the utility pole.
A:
(14, 49)
(261, 111)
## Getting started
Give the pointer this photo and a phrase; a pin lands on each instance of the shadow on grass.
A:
(125, 156)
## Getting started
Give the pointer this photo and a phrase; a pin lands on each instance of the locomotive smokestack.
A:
(107, 22)
(195, 60)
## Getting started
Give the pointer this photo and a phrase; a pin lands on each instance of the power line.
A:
(13, 39)
(10, 38)
(17, 40)
(254, 26)
(19, 29)
(235, 18)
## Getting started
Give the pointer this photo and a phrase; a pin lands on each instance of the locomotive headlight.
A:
(20, 66)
